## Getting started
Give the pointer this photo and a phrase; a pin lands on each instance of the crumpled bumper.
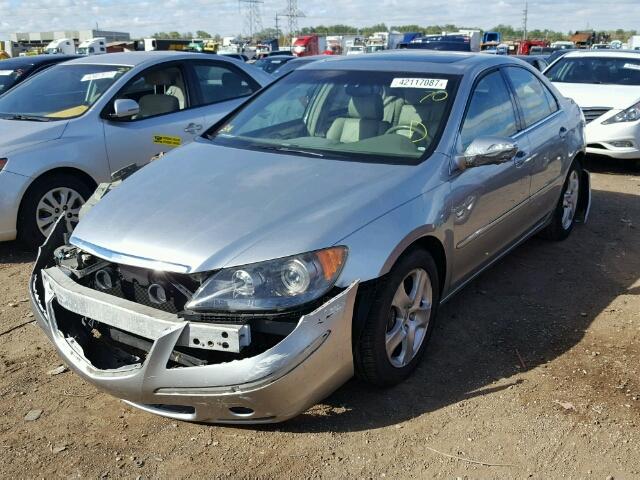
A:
(278, 384)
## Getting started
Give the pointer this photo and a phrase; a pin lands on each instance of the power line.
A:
(253, 19)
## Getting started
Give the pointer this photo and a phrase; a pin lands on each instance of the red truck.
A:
(307, 45)
(524, 46)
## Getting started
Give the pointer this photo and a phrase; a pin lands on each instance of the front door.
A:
(165, 120)
(487, 199)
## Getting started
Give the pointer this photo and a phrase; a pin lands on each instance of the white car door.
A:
(221, 86)
(166, 119)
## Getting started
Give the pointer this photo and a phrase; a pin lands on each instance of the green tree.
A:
(202, 34)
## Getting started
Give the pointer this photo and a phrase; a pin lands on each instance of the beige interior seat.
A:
(161, 102)
(365, 120)
(421, 113)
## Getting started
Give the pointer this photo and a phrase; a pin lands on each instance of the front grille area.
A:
(133, 284)
(590, 114)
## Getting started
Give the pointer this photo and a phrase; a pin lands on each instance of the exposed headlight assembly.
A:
(271, 285)
(631, 114)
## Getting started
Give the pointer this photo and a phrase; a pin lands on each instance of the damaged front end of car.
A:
(150, 338)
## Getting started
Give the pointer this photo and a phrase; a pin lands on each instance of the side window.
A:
(219, 83)
(158, 91)
(490, 111)
(553, 103)
(532, 95)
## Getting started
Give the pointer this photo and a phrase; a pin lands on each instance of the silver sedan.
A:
(70, 127)
(312, 234)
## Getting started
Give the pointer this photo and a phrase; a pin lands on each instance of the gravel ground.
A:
(532, 371)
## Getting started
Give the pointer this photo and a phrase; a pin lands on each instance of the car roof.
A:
(414, 60)
(132, 59)
(17, 62)
(603, 53)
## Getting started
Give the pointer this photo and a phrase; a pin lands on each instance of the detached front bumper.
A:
(278, 384)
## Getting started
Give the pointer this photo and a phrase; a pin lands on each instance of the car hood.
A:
(16, 134)
(588, 95)
(203, 207)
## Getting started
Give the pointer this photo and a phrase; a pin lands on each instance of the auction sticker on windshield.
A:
(632, 66)
(5, 73)
(99, 76)
(431, 83)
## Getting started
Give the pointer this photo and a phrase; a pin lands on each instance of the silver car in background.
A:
(312, 234)
(68, 128)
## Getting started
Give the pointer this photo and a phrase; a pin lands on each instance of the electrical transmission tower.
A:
(252, 17)
(292, 13)
(525, 15)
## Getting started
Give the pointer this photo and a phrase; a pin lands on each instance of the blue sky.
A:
(143, 17)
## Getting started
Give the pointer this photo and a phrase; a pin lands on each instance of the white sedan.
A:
(69, 128)
(606, 86)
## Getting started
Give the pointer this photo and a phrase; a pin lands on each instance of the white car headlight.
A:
(631, 114)
(272, 285)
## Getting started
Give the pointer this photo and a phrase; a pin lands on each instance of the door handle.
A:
(193, 128)
(520, 158)
(563, 133)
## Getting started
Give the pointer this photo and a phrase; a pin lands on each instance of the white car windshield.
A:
(60, 92)
(596, 69)
(360, 115)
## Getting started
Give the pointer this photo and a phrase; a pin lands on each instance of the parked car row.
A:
(302, 235)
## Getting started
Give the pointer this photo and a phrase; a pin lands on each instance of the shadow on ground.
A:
(534, 305)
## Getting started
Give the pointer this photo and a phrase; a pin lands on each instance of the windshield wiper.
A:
(280, 148)
(29, 118)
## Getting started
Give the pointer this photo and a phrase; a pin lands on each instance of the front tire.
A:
(400, 321)
(564, 215)
(47, 199)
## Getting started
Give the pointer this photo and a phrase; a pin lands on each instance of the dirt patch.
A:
(534, 368)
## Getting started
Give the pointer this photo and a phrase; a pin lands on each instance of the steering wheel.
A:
(415, 129)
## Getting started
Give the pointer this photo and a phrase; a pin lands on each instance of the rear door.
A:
(544, 126)
(488, 201)
(218, 88)
(167, 117)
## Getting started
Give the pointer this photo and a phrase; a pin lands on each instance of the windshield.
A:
(600, 69)
(8, 77)
(354, 115)
(63, 91)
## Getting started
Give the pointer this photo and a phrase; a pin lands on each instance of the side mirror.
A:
(487, 151)
(125, 107)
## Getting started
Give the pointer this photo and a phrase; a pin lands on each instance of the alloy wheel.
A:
(409, 317)
(58, 202)
(570, 200)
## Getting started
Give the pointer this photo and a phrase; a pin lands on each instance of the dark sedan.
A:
(537, 61)
(16, 70)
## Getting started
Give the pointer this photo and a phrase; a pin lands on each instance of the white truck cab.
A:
(62, 46)
(93, 46)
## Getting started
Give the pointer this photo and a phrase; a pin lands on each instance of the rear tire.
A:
(59, 194)
(564, 215)
(398, 326)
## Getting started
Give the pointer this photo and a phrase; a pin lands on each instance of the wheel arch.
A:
(76, 172)
(368, 290)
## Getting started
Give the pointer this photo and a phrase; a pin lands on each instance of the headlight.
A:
(271, 285)
(631, 114)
